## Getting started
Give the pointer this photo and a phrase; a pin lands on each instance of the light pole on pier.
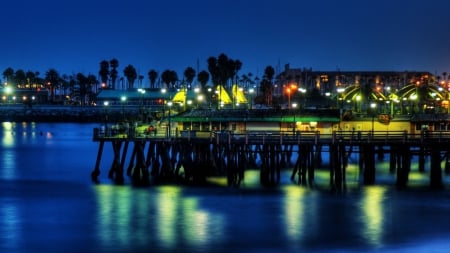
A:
(373, 107)
(250, 92)
(170, 123)
(123, 99)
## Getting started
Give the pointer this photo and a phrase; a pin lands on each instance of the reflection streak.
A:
(372, 214)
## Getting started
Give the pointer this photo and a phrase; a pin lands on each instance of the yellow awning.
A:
(238, 95)
(179, 97)
(223, 95)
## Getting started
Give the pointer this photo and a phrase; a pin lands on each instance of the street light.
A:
(372, 108)
(142, 109)
(197, 95)
(8, 91)
(288, 91)
(142, 92)
(106, 103)
(169, 127)
(302, 93)
(210, 96)
(123, 99)
(250, 91)
(199, 99)
(163, 91)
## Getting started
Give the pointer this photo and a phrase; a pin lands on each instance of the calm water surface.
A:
(48, 204)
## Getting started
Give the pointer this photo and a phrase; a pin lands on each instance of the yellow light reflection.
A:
(167, 207)
(372, 214)
(7, 140)
(176, 213)
(162, 216)
(294, 211)
(8, 166)
(197, 223)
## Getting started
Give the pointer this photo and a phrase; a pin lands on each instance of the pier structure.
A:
(190, 157)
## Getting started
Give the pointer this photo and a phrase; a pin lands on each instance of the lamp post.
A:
(373, 107)
(142, 92)
(163, 91)
(9, 91)
(105, 104)
(123, 99)
(199, 99)
(142, 109)
(340, 99)
(250, 91)
(302, 96)
(169, 126)
(288, 91)
(197, 94)
(210, 96)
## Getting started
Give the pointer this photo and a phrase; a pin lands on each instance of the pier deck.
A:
(159, 157)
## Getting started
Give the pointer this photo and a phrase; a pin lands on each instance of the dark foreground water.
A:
(48, 204)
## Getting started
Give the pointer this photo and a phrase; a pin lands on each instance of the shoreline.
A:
(81, 114)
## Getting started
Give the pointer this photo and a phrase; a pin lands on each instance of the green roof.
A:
(135, 94)
(258, 115)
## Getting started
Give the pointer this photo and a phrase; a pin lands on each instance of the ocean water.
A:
(49, 204)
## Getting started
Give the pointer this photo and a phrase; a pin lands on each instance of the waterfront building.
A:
(257, 120)
(330, 81)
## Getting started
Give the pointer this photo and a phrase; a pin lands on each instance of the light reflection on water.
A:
(372, 214)
(46, 195)
(131, 218)
(294, 215)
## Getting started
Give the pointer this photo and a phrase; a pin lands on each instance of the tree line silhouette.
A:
(222, 70)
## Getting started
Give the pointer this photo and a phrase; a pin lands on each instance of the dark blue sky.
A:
(74, 36)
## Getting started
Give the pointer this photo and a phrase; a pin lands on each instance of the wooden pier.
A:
(159, 158)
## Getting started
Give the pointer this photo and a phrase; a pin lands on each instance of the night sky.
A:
(350, 35)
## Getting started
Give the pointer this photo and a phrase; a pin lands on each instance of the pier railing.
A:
(281, 137)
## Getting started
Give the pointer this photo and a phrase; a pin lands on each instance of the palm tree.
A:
(189, 75)
(92, 83)
(114, 63)
(8, 74)
(214, 70)
(152, 76)
(169, 77)
(203, 78)
(104, 72)
(52, 78)
(83, 83)
(65, 85)
(131, 75)
(266, 85)
(72, 84)
(222, 69)
(140, 78)
(20, 78)
(235, 66)
(30, 76)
